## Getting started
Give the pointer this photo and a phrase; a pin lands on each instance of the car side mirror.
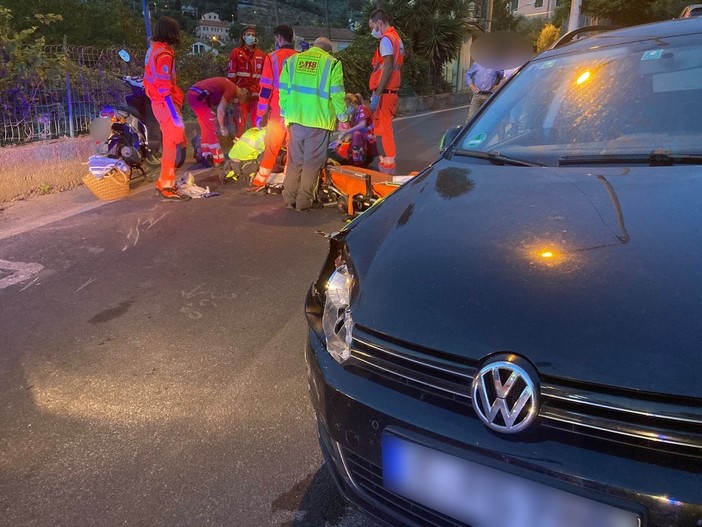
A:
(448, 137)
(124, 55)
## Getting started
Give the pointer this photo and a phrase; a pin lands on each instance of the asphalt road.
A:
(151, 368)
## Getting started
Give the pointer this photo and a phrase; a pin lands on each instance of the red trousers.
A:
(246, 110)
(384, 135)
(206, 118)
(173, 131)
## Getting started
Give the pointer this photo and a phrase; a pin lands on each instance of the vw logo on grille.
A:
(505, 397)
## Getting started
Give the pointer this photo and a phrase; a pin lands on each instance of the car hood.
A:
(591, 274)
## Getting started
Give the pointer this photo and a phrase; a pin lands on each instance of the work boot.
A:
(170, 194)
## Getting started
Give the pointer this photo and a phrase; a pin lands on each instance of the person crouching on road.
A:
(166, 101)
(203, 96)
(276, 133)
(311, 101)
(363, 146)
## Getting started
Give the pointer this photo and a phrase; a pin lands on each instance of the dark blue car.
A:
(514, 337)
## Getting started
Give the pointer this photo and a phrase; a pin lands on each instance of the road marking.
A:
(135, 233)
(19, 272)
(85, 284)
(431, 113)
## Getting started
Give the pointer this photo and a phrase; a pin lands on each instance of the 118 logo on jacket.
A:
(307, 66)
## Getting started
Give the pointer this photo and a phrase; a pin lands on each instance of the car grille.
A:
(368, 477)
(667, 425)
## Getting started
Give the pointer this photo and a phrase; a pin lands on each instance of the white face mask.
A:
(376, 33)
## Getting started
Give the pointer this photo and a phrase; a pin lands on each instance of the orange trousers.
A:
(382, 125)
(173, 131)
(247, 113)
(276, 135)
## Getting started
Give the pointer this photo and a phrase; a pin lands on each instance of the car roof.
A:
(668, 28)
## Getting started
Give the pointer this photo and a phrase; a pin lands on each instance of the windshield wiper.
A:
(496, 158)
(657, 158)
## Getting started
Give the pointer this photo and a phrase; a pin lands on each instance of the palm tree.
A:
(435, 29)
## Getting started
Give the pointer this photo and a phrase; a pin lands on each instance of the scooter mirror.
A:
(124, 55)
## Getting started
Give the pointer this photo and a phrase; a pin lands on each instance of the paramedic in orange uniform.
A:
(245, 68)
(385, 84)
(203, 96)
(276, 133)
(166, 102)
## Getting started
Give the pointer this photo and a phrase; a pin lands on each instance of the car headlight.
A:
(337, 323)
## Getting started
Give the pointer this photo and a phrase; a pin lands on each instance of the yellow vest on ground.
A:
(249, 146)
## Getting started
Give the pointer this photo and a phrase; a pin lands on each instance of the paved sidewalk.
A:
(17, 217)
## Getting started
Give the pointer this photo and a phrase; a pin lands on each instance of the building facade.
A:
(529, 8)
(211, 29)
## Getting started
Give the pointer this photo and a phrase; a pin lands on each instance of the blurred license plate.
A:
(485, 497)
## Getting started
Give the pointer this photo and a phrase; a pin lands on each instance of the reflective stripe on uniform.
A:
(276, 71)
(177, 119)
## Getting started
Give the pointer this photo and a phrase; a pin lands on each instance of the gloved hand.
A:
(374, 100)
(259, 122)
(223, 131)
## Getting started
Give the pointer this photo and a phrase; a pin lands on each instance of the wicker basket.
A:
(113, 185)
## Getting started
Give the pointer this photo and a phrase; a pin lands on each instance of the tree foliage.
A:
(502, 18)
(548, 36)
(22, 53)
(96, 23)
(628, 13)
(434, 29)
(531, 27)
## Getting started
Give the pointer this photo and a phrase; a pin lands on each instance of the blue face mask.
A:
(250, 40)
(376, 33)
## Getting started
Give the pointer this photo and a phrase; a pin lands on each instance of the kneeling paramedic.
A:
(244, 155)
(202, 97)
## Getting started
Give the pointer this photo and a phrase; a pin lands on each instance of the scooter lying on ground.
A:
(129, 133)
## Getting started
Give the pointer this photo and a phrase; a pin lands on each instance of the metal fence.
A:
(64, 105)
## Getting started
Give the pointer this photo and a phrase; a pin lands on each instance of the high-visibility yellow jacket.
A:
(249, 146)
(312, 90)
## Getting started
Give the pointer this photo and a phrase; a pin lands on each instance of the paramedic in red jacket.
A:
(245, 68)
(385, 84)
(166, 101)
(203, 96)
(276, 133)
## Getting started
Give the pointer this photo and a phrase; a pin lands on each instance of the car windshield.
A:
(630, 99)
